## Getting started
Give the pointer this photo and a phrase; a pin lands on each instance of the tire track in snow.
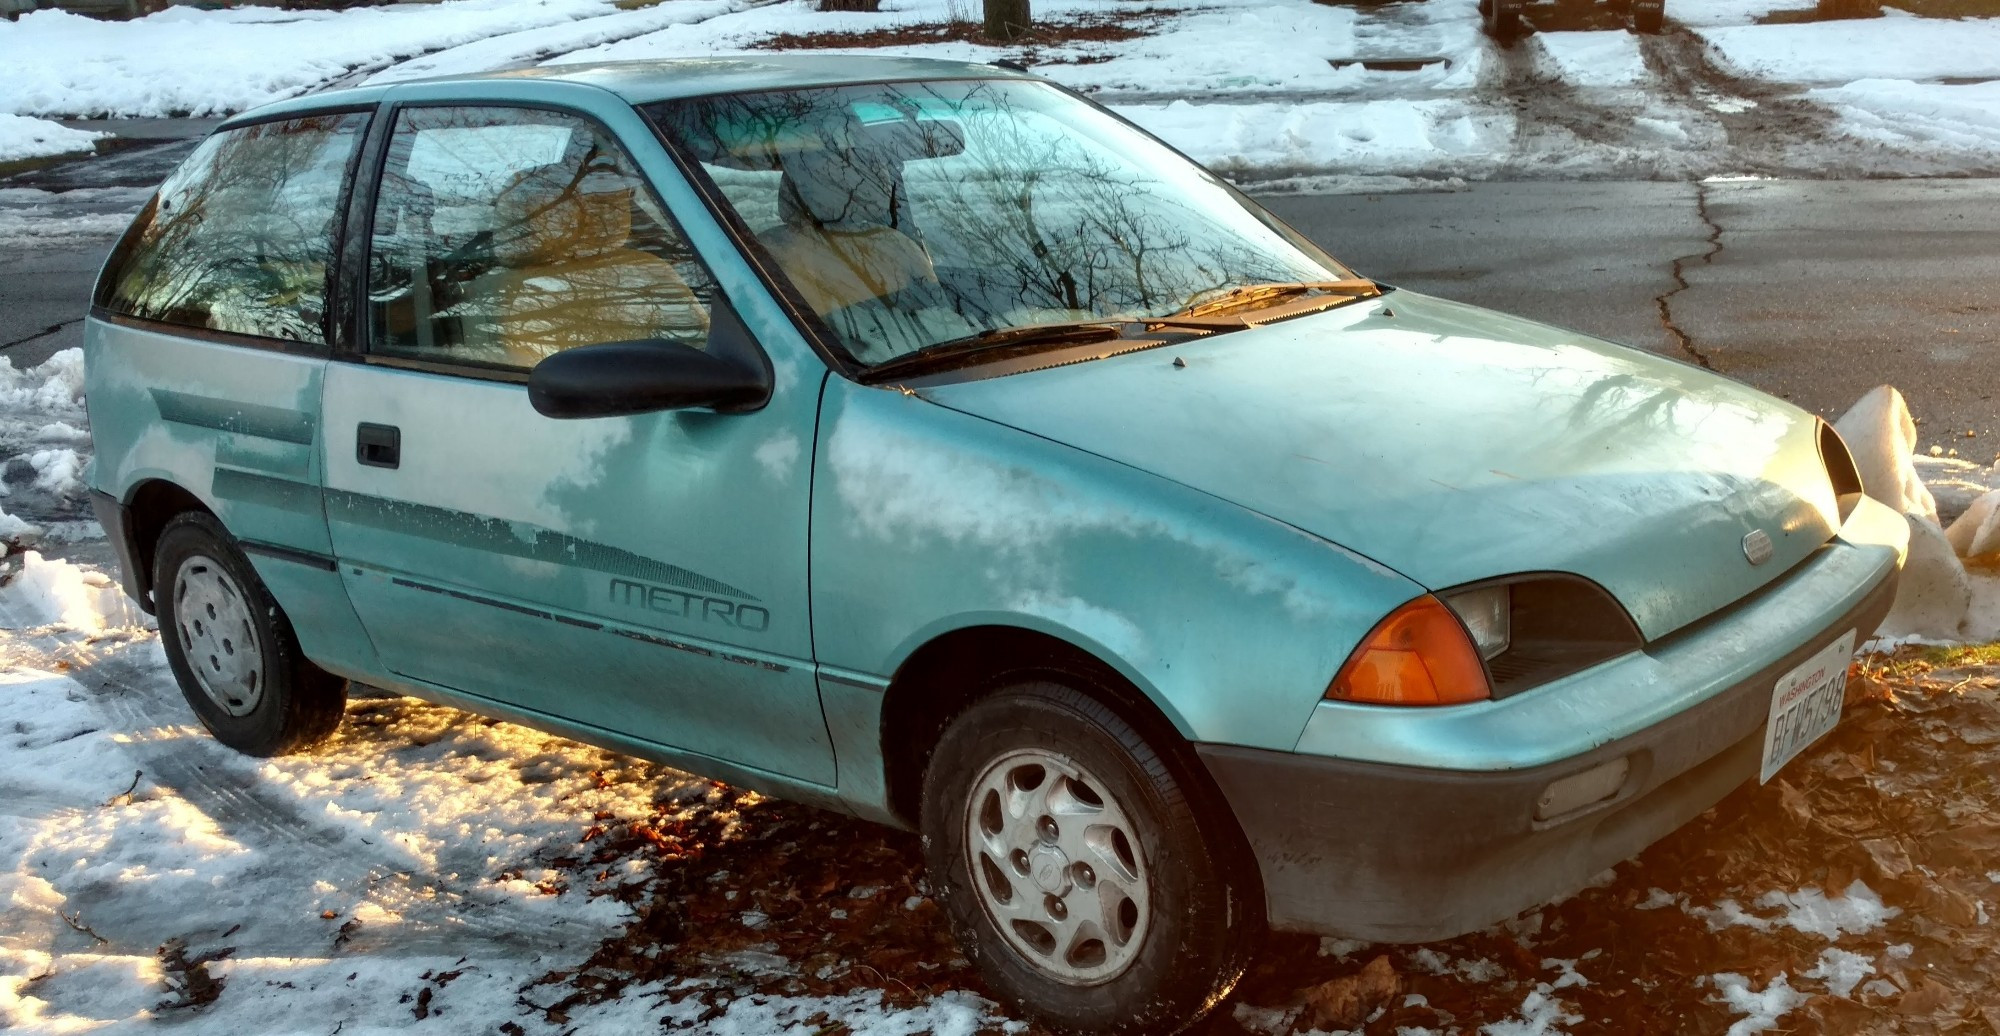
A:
(437, 916)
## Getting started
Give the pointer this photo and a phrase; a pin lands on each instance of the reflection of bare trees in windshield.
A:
(240, 239)
(913, 213)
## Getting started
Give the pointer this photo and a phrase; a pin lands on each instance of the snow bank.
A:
(1894, 47)
(46, 592)
(515, 49)
(1698, 13)
(1386, 136)
(198, 62)
(1595, 58)
(1962, 117)
(22, 137)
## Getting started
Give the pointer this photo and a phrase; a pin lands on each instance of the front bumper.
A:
(1411, 853)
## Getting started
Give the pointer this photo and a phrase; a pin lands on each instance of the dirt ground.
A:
(1902, 797)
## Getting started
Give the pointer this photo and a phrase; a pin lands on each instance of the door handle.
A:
(378, 445)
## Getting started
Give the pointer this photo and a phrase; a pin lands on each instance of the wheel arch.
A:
(957, 667)
(150, 504)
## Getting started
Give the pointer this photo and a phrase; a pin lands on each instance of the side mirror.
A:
(641, 377)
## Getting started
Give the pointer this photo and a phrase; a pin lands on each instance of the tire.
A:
(1148, 875)
(231, 648)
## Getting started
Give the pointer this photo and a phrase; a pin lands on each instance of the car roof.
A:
(643, 82)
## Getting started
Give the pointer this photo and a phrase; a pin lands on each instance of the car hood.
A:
(1454, 444)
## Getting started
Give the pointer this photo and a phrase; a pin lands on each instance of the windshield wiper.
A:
(1000, 341)
(1247, 296)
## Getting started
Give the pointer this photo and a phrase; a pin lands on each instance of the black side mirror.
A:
(641, 377)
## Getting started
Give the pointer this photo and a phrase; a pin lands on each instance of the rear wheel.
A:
(231, 649)
(1071, 861)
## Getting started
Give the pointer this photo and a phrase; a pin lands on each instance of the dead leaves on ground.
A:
(749, 895)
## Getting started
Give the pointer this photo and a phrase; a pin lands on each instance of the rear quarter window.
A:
(240, 239)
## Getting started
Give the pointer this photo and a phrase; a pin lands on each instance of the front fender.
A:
(926, 520)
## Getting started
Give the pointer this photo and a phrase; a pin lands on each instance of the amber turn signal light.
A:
(1419, 655)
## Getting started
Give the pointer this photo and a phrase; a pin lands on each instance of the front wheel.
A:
(1072, 864)
(231, 649)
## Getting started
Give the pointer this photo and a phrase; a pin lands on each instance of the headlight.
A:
(1487, 640)
(1488, 615)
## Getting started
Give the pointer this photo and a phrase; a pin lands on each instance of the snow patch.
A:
(1841, 970)
(1761, 1009)
(1540, 1015)
(47, 592)
(1857, 911)
(1844, 51)
(185, 61)
(1595, 59)
(22, 137)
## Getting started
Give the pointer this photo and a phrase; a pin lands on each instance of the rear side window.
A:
(240, 238)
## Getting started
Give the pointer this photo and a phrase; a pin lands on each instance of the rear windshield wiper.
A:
(1000, 342)
(1248, 296)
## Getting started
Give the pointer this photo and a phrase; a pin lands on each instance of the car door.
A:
(641, 575)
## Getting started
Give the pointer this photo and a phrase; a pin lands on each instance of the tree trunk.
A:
(850, 5)
(1007, 20)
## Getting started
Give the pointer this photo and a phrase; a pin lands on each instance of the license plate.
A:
(1806, 704)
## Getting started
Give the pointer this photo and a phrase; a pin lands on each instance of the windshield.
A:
(907, 215)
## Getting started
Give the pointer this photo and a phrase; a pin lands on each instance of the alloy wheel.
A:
(1056, 865)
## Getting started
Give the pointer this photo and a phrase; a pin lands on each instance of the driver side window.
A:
(502, 235)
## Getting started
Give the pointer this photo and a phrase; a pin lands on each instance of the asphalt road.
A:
(1813, 290)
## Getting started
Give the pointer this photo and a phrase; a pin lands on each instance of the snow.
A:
(1595, 58)
(46, 592)
(1540, 1015)
(526, 47)
(1856, 911)
(1841, 970)
(185, 61)
(26, 214)
(1837, 52)
(1359, 137)
(1963, 117)
(22, 137)
(1761, 1009)
(1699, 13)
(407, 847)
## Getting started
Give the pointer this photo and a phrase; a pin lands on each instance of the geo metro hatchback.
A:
(923, 441)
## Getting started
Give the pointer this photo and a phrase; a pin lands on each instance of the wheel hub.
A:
(1050, 869)
(217, 638)
(1056, 866)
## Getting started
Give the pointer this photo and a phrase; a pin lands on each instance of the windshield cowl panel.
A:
(937, 215)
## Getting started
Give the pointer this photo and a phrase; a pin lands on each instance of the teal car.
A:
(922, 441)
